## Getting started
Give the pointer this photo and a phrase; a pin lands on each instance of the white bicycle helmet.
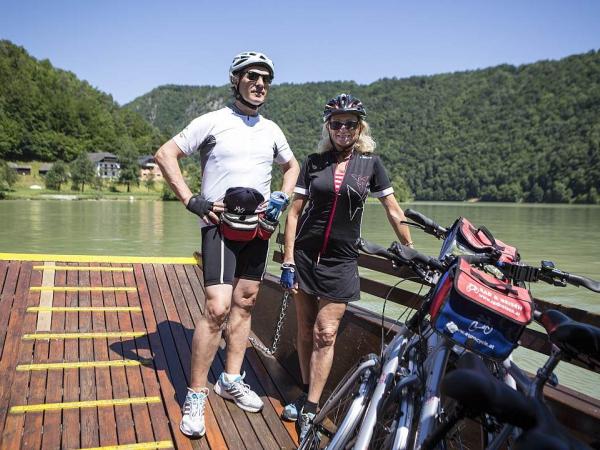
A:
(246, 59)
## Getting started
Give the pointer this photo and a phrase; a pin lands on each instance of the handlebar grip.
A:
(374, 249)
(430, 226)
(408, 254)
(579, 280)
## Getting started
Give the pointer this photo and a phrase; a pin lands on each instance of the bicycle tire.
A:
(337, 421)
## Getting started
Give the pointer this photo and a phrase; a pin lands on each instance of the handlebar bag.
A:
(240, 228)
(479, 312)
(465, 238)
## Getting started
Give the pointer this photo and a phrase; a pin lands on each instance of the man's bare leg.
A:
(240, 320)
(208, 332)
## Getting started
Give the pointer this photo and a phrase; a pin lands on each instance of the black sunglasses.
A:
(254, 76)
(349, 124)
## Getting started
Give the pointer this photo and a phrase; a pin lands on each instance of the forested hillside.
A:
(48, 114)
(526, 133)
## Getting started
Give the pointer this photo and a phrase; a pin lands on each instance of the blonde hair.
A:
(364, 144)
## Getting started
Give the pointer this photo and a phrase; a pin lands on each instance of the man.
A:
(237, 148)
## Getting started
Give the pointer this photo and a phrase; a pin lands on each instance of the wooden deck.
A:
(104, 361)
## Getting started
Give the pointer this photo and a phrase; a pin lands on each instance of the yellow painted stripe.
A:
(86, 268)
(139, 446)
(78, 365)
(97, 258)
(85, 404)
(108, 334)
(84, 309)
(83, 288)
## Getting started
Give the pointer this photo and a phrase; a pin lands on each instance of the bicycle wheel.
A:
(336, 423)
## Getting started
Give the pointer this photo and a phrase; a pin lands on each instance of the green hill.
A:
(526, 133)
(48, 114)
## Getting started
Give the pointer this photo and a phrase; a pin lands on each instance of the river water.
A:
(569, 235)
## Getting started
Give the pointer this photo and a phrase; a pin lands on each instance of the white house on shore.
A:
(106, 164)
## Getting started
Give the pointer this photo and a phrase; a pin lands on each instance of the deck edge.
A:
(97, 258)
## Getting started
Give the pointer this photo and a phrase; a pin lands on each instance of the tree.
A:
(130, 171)
(149, 181)
(193, 178)
(82, 172)
(57, 175)
(8, 176)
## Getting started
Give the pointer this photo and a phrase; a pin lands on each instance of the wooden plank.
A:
(120, 387)
(32, 426)
(251, 426)
(275, 398)
(87, 381)
(15, 387)
(150, 421)
(7, 297)
(54, 389)
(187, 309)
(107, 426)
(267, 425)
(45, 319)
(70, 417)
(145, 287)
(171, 331)
(3, 270)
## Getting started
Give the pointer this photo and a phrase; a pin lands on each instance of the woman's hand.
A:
(288, 277)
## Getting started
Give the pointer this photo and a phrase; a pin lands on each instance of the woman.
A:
(320, 259)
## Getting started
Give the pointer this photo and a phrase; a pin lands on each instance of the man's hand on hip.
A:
(204, 208)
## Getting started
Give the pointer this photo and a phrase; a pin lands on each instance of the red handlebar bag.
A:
(466, 238)
(480, 312)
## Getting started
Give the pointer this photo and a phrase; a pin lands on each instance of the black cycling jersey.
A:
(330, 224)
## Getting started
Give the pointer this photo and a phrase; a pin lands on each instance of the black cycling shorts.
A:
(223, 259)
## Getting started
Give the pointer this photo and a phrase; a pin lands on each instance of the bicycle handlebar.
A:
(547, 273)
(428, 225)
(400, 254)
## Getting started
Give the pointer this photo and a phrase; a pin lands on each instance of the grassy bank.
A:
(33, 187)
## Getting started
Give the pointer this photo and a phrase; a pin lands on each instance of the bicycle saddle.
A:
(576, 339)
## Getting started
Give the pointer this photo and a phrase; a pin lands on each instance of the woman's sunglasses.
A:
(349, 124)
(254, 76)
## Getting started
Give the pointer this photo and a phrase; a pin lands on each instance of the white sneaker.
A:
(192, 422)
(240, 393)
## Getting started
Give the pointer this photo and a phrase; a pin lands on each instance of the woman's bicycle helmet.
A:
(342, 104)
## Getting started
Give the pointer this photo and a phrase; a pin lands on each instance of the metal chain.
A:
(277, 336)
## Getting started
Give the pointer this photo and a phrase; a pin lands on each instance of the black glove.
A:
(199, 205)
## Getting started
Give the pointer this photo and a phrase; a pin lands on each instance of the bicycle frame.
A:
(391, 357)
(354, 412)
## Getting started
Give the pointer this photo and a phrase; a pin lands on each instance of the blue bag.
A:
(480, 312)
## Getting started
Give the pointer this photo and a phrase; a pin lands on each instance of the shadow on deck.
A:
(106, 362)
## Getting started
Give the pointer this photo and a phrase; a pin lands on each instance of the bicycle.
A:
(385, 393)
(359, 396)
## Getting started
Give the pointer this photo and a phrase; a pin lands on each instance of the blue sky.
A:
(128, 47)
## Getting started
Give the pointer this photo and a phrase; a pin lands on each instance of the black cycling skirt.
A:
(333, 277)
